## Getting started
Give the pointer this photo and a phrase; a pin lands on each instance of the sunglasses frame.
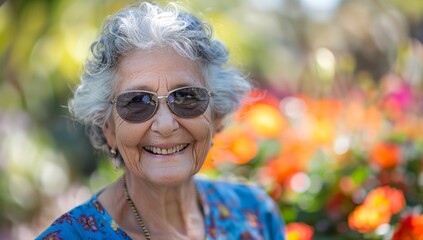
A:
(158, 97)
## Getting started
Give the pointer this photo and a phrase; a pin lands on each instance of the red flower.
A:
(411, 227)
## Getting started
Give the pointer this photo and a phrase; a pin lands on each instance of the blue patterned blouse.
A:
(232, 211)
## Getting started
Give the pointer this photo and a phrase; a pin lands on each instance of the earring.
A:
(113, 153)
(116, 162)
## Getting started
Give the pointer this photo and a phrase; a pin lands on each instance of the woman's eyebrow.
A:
(138, 87)
(180, 85)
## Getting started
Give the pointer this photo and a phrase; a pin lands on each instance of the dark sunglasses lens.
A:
(189, 102)
(136, 106)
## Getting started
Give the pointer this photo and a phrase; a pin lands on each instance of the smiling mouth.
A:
(168, 151)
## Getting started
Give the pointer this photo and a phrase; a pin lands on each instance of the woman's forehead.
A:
(152, 69)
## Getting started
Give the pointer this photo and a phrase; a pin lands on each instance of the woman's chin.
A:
(169, 177)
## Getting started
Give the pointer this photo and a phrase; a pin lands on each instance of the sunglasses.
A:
(138, 106)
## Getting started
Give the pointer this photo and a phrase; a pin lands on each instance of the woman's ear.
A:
(110, 134)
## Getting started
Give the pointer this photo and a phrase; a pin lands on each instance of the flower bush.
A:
(329, 131)
(349, 166)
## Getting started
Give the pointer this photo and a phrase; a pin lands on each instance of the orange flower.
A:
(299, 231)
(320, 121)
(257, 97)
(245, 148)
(282, 168)
(385, 155)
(292, 159)
(234, 145)
(365, 218)
(354, 114)
(362, 118)
(411, 227)
(328, 110)
(395, 197)
(376, 209)
(412, 127)
(371, 124)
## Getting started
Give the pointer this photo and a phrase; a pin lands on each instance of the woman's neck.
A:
(168, 212)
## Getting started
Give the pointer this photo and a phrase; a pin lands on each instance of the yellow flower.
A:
(114, 225)
(265, 120)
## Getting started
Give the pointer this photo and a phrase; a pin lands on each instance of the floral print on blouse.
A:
(232, 211)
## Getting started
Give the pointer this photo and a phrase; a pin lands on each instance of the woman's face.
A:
(160, 71)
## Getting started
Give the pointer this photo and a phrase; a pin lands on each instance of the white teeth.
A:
(168, 151)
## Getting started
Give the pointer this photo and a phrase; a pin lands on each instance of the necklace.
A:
(135, 211)
(137, 214)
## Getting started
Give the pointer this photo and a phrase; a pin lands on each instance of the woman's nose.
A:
(164, 121)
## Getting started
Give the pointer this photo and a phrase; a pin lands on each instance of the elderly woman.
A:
(153, 94)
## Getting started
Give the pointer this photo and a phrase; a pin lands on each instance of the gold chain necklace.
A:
(137, 214)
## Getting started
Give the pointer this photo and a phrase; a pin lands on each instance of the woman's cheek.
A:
(203, 143)
(130, 134)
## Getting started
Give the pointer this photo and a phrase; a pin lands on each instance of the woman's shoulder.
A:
(86, 219)
(241, 208)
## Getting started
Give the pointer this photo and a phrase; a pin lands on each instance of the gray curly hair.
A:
(145, 26)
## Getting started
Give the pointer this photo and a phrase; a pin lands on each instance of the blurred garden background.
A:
(335, 134)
